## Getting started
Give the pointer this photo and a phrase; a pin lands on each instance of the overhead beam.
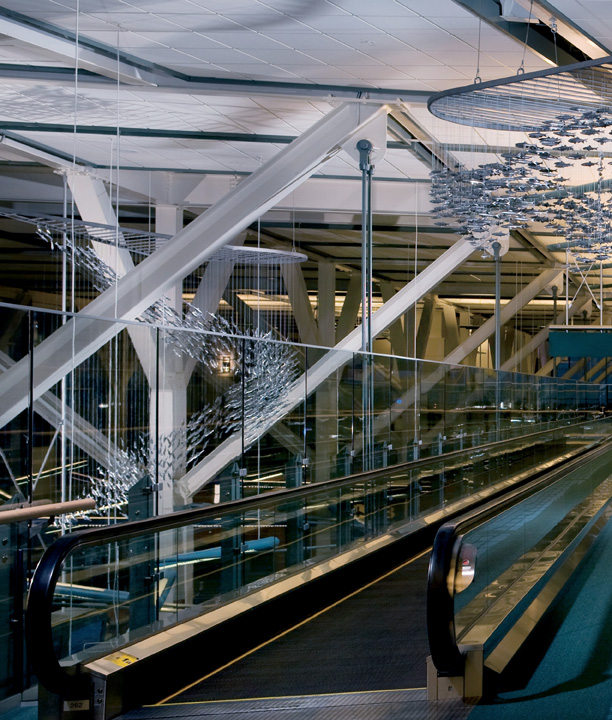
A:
(539, 39)
(408, 296)
(171, 134)
(161, 81)
(69, 51)
(133, 293)
(565, 27)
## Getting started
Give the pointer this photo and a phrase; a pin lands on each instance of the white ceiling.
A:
(416, 44)
(412, 45)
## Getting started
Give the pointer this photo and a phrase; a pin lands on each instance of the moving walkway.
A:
(113, 607)
(498, 573)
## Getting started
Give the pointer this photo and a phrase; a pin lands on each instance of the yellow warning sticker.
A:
(122, 659)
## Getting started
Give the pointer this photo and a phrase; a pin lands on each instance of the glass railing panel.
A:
(116, 591)
(456, 397)
(150, 419)
(432, 403)
(14, 670)
(405, 410)
(346, 389)
(362, 415)
(476, 407)
(382, 394)
(329, 424)
(161, 404)
(467, 421)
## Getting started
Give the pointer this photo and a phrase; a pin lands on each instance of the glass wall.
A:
(148, 419)
(94, 408)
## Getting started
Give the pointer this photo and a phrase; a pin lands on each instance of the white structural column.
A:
(396, 331)
(577, 306)
(148, 281)
(326, 423)
(451, 328)
(576, 367)
(300, 304)
(350, 308)
(600, 378)
(326, 316)
(595, 369)
(410, 294)
(168, 405)
(210, 291)
(425, 324)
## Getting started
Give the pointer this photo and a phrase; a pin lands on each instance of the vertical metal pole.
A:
(567, 289)
(30, 459)
(370, 240)
(156, 440)
(305, 446)
(365, 150)
(242, 469)
(370, 338)
(496, 247)
(63, 438)
(555, 291)
(601, 322)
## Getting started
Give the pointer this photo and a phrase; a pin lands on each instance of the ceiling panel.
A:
(213, 38)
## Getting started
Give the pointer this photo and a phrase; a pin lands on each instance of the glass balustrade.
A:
(149, 419)
(122, 584)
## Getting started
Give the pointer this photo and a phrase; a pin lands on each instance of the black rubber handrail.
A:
(38, 628)
(445, 654)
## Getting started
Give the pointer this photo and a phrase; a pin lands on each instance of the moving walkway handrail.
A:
(38, 626)
(444, 649)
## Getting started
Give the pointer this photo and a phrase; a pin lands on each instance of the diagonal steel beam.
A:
(410, 294)
(467, 346)
(91, 198)
(79, 338)
(82, 433)
(25, 30)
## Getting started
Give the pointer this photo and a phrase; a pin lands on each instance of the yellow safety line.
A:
(291, 629)
(291, 697)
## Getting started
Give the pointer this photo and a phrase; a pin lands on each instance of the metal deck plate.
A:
(383, 705)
